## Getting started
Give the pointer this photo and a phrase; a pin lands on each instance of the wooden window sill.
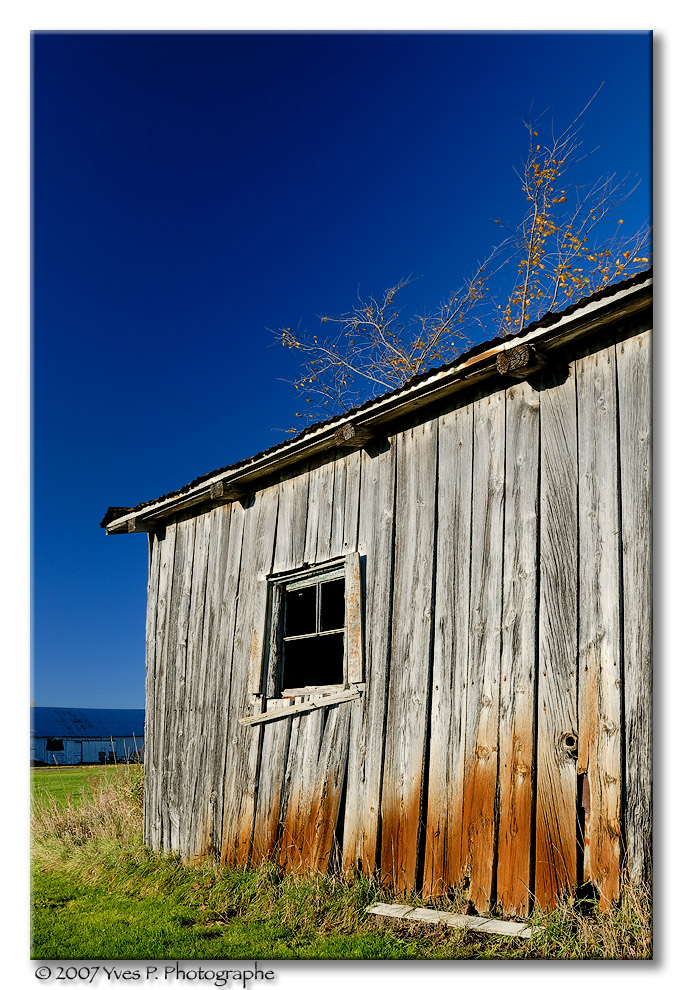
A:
(300, 707)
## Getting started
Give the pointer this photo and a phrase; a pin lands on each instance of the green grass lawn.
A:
(98, 893)
(75, 920)
(64, 783)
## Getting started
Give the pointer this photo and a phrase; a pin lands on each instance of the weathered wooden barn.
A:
(87, 735)
(416, 638)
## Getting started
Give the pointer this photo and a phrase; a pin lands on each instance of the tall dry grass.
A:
(99, 841)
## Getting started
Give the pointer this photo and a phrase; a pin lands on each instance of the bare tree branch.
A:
(568, 243)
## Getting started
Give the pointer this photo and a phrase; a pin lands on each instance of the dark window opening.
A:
(55, 745)
(314, 661)
(312, 635)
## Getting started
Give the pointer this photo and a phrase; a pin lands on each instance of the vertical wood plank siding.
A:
(504, 549)
(150, 817)
(483, 676)
(409, 675)
(556, 781)
(599, 752)
(634, 372)
(362, 823)
(518, 650)
(444, 863)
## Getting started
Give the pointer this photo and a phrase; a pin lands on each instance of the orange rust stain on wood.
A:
(436, 839)
(443, 869)
(265, 837)
(317, 767)
(514, 840)
(599, 753)
(478, 837)
(556, 865)
(400, 830)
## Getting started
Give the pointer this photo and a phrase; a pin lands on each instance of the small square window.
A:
(313, 615)
(55, 745)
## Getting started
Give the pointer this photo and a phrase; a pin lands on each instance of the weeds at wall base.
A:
(99, 893)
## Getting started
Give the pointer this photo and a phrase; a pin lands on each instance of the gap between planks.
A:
(491, 926)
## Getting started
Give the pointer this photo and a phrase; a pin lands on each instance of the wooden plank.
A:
(211, 758)
(281, 710)
(481, 730)
(155, 765)
(338, 507)
(354, 619)
(325, 790)
(304, 747)
(224, 652)
(319, 520)
(490, 926)
(176, 676)
(291, 526)
(149, 805)
(351, 435)
(260, 637)
(518, 657)
(243, 741)
(634, 370)
(409, 681)
(599, 751)
(290, 542)
(313, 783)
(191, 742)
(556, 782)
(444, 866)
(351, 503)
(368, 715)
(274, 753)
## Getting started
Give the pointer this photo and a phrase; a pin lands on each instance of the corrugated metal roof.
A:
(98, 723)
(114, 512)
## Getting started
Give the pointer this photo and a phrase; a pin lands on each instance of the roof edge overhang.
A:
(374, 416)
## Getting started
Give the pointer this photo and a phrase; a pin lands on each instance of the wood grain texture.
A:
(309, 702)
(241, 776)
(319, 810)
(299, 786)
(634, 371)
(483, 688)
(353, 640)
(174, 679)
(319, 520)
(409, 676)
(368, 716)
(599, 754)
(274, 757)
(454, 531)
(151, 701)
(352, 463)
(444, 866)
(212, 725)
(518, 657)
(292, 517)
(160, 734)
(192, 779)
(338, 506)
(556, 781)
(224, 653)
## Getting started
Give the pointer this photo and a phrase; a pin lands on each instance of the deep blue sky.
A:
(191, 190)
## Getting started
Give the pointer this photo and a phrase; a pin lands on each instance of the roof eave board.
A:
(445, 381)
